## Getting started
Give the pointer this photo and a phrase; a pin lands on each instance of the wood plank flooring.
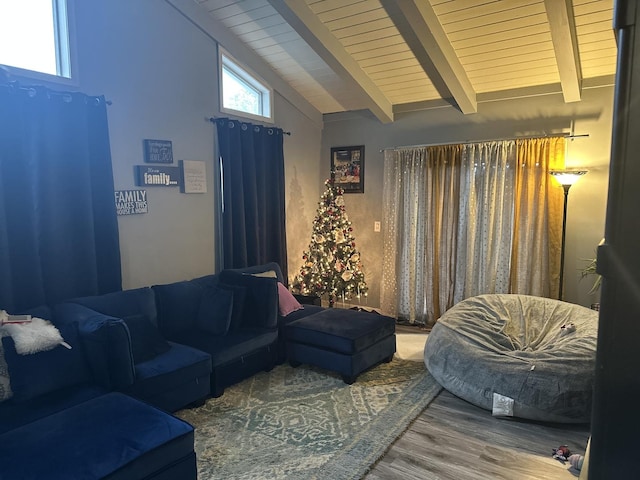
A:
(454, 440)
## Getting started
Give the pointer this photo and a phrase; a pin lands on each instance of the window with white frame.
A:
(34, 37)
(243, 93)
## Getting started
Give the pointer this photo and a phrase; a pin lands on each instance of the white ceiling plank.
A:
(329, 48)
(565, 44)
(422, 30)
(388, 32)
(481, 10)
(378, 43)
(397, 65)
(327, 5)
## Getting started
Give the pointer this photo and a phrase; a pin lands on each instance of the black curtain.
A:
(58, 225)
(253, 218)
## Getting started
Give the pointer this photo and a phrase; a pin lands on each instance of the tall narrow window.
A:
(34, 36)
(242, 93)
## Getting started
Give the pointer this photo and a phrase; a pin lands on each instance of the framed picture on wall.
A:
(347, 168)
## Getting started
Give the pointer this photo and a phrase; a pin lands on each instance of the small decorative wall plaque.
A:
(194, 176)
(157, 176)
(131, 202)
(158, 151)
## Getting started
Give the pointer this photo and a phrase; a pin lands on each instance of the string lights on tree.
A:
(331, 266)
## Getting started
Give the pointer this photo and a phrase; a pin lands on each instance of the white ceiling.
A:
(392, 56)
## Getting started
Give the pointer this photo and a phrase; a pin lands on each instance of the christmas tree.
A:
(331, 265)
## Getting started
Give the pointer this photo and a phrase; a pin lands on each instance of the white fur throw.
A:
(36, 336)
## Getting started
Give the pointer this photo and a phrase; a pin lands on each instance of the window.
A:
(34, 37)
(242, 93)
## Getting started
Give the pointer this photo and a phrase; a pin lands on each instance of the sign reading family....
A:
(157, 176)
(131, 202)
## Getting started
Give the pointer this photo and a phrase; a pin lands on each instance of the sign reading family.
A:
(157, 176)
(131, 202)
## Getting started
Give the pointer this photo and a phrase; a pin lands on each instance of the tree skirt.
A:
(306, 423)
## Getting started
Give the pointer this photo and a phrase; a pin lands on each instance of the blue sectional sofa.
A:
(100, 410)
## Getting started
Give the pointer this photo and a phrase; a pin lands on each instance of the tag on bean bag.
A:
(502, 406)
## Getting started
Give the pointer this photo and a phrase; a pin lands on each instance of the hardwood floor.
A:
(454, 440)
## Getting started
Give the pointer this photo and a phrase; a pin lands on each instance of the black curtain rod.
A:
(213, 120)
(468, 142)
(33, 88)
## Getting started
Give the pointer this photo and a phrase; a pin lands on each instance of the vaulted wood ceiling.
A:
(393, 56)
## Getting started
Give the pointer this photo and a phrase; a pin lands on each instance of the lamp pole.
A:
(566, 178)
(564, 231)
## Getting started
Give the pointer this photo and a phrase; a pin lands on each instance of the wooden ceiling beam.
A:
(565, 44)
(419, 25)
(302, 19)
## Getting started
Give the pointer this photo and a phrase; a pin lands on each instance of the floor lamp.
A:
(566, 178)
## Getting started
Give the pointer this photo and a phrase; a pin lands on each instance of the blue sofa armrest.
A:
(107, 344)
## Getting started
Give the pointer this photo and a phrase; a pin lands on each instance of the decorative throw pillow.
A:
(261, 299)
(39, 373)
(216, 307)
(287, 303)
(146, 341)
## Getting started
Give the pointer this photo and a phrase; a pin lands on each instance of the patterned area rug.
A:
(306, 423)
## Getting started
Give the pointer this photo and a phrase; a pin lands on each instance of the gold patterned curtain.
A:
(537, 236)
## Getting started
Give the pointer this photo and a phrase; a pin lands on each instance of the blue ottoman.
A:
(344, 341)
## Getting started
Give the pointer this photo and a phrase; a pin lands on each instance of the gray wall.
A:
(160, 72)
(494, 120)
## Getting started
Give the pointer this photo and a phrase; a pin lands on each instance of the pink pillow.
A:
(287, 303)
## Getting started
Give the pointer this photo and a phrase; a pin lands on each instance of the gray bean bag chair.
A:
(514, 346)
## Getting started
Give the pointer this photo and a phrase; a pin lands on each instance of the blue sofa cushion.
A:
(14, 414)
(146, 341)
(216, 306)
(177, 306)
(179, 365)
(43, 372)
(261, 300)
(94, 439)
(231, 347)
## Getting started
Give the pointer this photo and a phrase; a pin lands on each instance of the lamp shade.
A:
(567, 177)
